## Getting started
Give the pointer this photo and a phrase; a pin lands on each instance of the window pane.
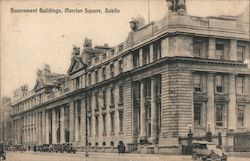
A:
(219, 115)
(240, 117)
(197, 114)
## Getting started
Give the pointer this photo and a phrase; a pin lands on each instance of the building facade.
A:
(178, 76)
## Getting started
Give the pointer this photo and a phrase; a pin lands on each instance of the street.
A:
(31, 156)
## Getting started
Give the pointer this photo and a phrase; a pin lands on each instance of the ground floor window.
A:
(198, 114)
(219, 115)
(240, 115)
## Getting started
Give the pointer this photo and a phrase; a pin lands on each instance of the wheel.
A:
(214, 157)
(194, 156)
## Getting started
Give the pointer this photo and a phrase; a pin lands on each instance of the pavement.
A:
(41, 156)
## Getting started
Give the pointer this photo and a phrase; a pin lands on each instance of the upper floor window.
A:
(96, 101)
(197, 83)
(136, 59)
(104, 123)
(121, 121)
(112, 122)
(145, 55)
(121, 93)
(219, 83)
(157, 50)
(112, 52)
(104, 56)
(89, 79)
(200, 46)
(104, 98)
(104, 73)
(112, 70)
(148, 88)
(219, 51)
(77, 81)
(240, 115)
(120, 66)
(240, 84)
(112, 96)
(89, 102)
(96, 76)
(240, 53)
(97, 124)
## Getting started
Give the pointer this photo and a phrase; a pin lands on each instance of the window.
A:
(136, 59)
(219, 115)
(77, 85)
(90, 126)
(145, 55)
(104, 123)
(157, 50)
(90, 102)
(219, 51)
(198, 114)
(120, 66)
(104, 73)
(219, 83)
(96, 101)
(89, 77)
(240, 84)
(112, 52)
(112, 96)
(112, 122)
(121, 121)
(136, 91)
(240, 115)
(148, 88)
(197, 48)
(104, 98)
(112, 70)
(240, 53)
(78, 110)
(96, 76)
(197, 83)
(121, 93)
(96, 125)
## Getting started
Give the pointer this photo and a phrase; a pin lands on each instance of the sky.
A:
(30, 40)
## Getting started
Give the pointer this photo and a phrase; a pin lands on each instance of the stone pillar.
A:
(233, 50)
(44, 132)
(232, 103)
(211, 48)
(210, 102)
(151, 53)
(153, 111)
(62, 130)
(54, 127)
(140, 57)
(47, 127)
(71, 122)
(76, 122)
(143, 113)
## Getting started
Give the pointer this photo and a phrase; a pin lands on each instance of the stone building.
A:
(182, 74)
(6, 129)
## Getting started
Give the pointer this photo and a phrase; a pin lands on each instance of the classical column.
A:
(211, 48)
(233, 50)
(71, 122)
(54, 126)
(62, 130)
(153, 110)
(143, 113)
(140, 57)
(210, 102)
(232, 103)
(76, 122)
(47, 127)
(44, 132)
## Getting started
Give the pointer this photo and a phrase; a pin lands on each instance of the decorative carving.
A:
(176, 5)
(46, 69)
(87, 43)
(137, 22)
(76, 50)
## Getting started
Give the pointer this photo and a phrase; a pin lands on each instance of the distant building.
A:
(180, 75)
(6, 129)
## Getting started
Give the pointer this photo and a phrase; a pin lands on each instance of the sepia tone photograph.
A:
(125, 80)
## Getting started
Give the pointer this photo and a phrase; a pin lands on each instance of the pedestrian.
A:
(121, 147)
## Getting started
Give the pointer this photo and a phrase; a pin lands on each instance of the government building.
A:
(178, 78)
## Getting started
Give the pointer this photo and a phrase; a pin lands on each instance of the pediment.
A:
(201, 97)
(76, 65)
